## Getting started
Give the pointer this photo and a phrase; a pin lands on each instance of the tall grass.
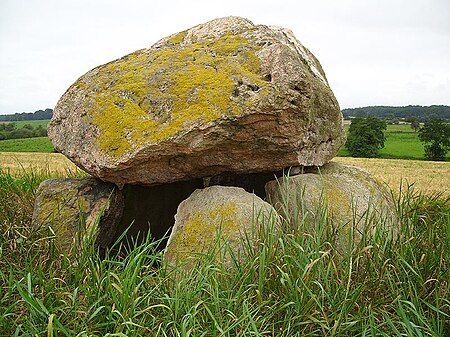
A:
(294, 284)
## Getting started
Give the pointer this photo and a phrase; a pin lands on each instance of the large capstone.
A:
(226, 96)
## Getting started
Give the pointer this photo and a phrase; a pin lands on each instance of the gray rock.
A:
(72, 207)
(226, 96)
(348, 195)
(213, 215)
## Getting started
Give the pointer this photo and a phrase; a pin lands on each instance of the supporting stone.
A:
(219, 220)
(77, 209)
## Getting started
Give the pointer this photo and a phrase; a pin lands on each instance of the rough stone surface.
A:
(72, 206)
(230, 211)
(224, 96)
(353, 199)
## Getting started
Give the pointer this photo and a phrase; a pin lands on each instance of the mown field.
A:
(427, 177)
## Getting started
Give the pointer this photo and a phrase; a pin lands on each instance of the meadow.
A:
(33, 123)
(295, 284)
(401, 143)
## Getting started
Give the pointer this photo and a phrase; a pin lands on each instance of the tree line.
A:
(421, 113)
(11, 131)
(366, 137)
(27, 116)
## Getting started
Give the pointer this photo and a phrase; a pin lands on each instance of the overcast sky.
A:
(374, 52)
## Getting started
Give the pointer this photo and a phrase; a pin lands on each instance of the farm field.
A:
(401, 143)
(36, 144)
(33, 123)
(428, 177)
(52, 164)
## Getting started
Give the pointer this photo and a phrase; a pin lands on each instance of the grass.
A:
(292, 285)
(401, 143)
(428, 177)
(37, 144)
(19, 163)
(34, 123)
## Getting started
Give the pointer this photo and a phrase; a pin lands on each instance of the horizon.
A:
(376, 53)
(360, 107)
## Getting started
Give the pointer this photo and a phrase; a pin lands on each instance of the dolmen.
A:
(201, 137)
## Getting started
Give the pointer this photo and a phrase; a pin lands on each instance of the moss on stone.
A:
(63, 211)
(150, 96)
(201, 229)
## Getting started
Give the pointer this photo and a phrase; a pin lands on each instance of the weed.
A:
(290, 285)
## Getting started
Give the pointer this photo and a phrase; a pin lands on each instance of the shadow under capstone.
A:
(251, 182)
(153, 208)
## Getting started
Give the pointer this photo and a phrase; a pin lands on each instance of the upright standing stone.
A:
(214, 215)
(349, 197)
(78, 208)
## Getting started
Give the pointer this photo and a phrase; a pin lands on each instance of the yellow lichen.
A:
(149, 96)
(177, 38)
(201, 230)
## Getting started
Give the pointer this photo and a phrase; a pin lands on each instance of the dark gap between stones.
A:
(153, 208)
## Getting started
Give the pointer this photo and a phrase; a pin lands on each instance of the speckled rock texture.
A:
(352, 200)
(224, 96)
(71, 207)
(215, 215)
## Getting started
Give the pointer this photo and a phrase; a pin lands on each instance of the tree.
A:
(436, 138)
(415, 125)
(366, 137)
(414, 122)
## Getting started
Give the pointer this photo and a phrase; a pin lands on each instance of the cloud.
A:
(372, 51)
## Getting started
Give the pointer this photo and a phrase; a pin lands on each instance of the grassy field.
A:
(293, 284)
(401, 143)
(36, 123)
(37, 144)
(428, 177)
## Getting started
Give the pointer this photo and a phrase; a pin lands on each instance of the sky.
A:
(374, 52)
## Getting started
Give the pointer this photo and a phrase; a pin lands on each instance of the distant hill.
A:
(422, 113)
(27, 116)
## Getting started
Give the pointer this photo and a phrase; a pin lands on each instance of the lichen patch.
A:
(151, 95)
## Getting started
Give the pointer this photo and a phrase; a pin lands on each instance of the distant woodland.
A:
(12, 131)
(421, 113)
(27, 116)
